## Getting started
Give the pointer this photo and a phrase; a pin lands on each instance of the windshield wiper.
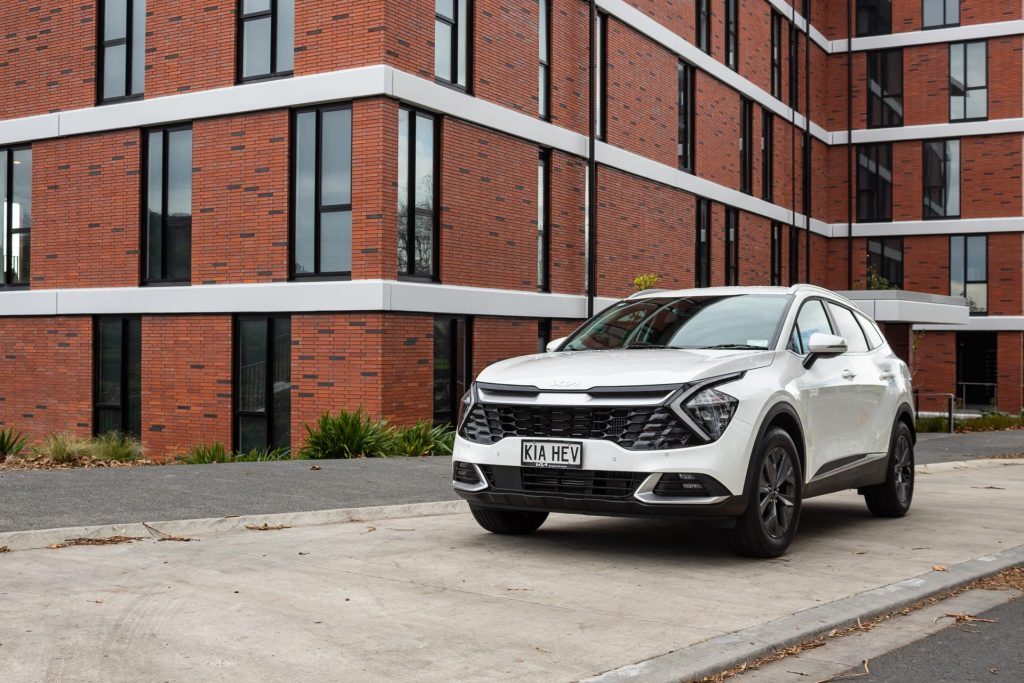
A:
(646, 345)
(744, 347)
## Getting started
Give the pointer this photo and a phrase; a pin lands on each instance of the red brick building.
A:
(223, 218)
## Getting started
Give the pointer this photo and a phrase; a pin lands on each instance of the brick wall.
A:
(186, 383)
(409, 39)
(82, 236)
(407, 373)
(190, 45)
(321, 27)
(1010, 378)
(506, 39)
(46, 376)
(374, 188)
(933, 367)
(717, 129)
(570, 84)
(566, 213)
(1005, 286)
(496, 339)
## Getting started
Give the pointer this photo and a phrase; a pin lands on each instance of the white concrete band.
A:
(980, 323)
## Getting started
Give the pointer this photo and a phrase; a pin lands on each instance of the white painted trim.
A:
(931, 131)
(980, 323)
(936, 227)
(954, 34)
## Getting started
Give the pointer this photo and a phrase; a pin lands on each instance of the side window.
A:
(812, 318)
(848, 328)
(870, 331)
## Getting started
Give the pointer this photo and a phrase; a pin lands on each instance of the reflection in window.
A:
(848, 328)
(16, 218)
(874, 17)
(941, 174)
(267, 29)
(451, 41)
(811, 320)
(885, 88)
(874, 182)
(732, 35)
(939, 13)
(122, 49)
(452, 364)
(702, 272)
(703, 24)
(885, 263)
(687, 116)
(262, 382)
(544, 69)
(543, 238)
(746, 145)
(968, 270)
(417, 198)
(968, 81)
(732, 246)
(117, 394)
(167, 243)
(776, 254)
(776, 50)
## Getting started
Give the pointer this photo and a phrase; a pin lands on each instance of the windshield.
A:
(743, 321)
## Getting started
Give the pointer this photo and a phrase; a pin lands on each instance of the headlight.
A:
(708, 411)
(465, 405)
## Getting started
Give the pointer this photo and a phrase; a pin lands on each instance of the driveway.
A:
(437, 599)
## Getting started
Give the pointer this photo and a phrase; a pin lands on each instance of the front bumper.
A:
(730, 506)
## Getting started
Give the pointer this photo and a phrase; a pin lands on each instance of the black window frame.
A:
(130, 349)
(732, 246)
(873, 18)
(7, 219)
(746, 143)
(881, 111)
(269, 412)
(145, 248)
(702, 25)
(686, 147)
(319, 208)
(601, 80)
(732, 35)
(794, 254)
(243, 18)
(881, 264)
(940, 186)
(775, 248)
(794, 67)
(966, 260)
(967, 89)
(129, 41)
(702, 244)
(767, 154)
(881, 196)
(544, 221)
(776, 54)
(946, 23)
(460, 331)
(410, 273)
(457, 51)
(544, 59)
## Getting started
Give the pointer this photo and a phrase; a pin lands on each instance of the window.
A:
(322, 216)
(452, 364)
(941, 173)
(776, 254)
(732, 246)
(874, 337)
(885, 88)
(122, 53)
(16, 221)
(874, 182)
(267, 37)
(874, 17)
(703, 25)
(812, 319)
(767, 154)
(702, 276)
(451, 42)
(117, 392)
(746, 145)
(794, 67)
(732, 32)
(885, 263)
(968, 81)
(968, 270)
(687, 110)
(848, 328)
(543, 238)
(263, 382)
(940, 13)
(776, 49)
(794, 254)
(806, 194)
(601, 77)
(543, 335)
(167, 241)
(544, 75)
(417, 194)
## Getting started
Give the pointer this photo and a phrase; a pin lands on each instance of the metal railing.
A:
(950, 401)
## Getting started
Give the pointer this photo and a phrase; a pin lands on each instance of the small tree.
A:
(646, 281)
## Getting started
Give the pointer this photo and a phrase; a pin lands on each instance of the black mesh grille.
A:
(639, 428)
(591, 483)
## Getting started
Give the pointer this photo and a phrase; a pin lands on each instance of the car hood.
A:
(584, 370)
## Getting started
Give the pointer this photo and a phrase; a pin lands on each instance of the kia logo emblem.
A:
(565, 383)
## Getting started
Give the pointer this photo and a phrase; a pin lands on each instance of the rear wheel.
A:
(512, 522)
(892, 498)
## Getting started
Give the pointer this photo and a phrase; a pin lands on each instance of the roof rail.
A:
(645, 291)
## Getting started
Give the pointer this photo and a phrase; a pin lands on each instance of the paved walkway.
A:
(52, 499)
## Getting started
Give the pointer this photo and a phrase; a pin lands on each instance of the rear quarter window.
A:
(875, 339)
(849, 329)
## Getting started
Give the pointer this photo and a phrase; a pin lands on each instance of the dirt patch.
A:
(1008, 456)
(112, 540)
(36, 462)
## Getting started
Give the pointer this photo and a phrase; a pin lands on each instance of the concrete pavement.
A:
(435, 598)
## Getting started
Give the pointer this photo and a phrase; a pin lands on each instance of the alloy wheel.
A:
(903, 470)
(777, 493)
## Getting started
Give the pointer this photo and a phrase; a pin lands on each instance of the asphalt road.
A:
(963, 653)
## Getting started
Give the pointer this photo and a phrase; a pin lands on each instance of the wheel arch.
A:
(905, 414)
(784, 416)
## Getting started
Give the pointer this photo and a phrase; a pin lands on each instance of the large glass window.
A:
(544, 72)
(940, 13)
(968, 81)
(885, 263)
(417, 194)
(874, 183)
(794, 67)
(601, 77)
(117, 392)
(746, 145)
(885, 88)
(968, 270)
(16, 220)
(732, 246)
(266, 30)
(776, 50)
(732, 35)
(543, 238)
(263, 382)
(702, 270)
(167, 242)
(122, 49)
(451, 42)
(687, 110)
(794, 255)
(874, 17)
(776, 254)
(941, 174)
(452, 364)
(703, 24)
(322, 162)
(767, 154)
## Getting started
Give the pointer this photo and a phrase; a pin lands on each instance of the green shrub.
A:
(64, 448)
(115, 446)
(348, 435)
(12, 443)
(206, 454)
(987, 422)
(262, 455)
(423, 438)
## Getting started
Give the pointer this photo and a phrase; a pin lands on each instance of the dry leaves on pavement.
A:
(4, 549)
(162, 536)
(112, 540)
(964, 618)
(266, 527)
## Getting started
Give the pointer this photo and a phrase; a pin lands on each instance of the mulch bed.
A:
(35, 462)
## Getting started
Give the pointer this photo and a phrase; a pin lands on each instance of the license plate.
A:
(565, 455)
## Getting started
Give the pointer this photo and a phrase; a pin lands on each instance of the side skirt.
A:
(853, 472)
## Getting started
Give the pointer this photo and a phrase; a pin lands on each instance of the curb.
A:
(42, 538)
(718, 654)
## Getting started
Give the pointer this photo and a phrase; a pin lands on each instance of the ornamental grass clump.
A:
(423, 438)
(116, 447)
(12, 443)
(348, 435)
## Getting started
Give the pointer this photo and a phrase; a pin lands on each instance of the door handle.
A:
(887, 375)
(849, 374)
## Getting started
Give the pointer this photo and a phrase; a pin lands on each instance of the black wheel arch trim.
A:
(905, 411)
(780, 408)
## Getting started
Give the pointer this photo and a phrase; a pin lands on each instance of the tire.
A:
(508, 522)
(768, 525)
(893, 497)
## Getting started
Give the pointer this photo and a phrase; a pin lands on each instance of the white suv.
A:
(728, 404)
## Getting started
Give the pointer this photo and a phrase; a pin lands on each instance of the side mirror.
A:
(823, 346)
(553, 345)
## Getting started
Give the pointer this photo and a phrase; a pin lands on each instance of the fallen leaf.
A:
(860, 552)
(964, 618)
(994, 488)
(370, 529)
(939, 568)
(316, 468)
(266, 527)
(4, 549)
(161, 536)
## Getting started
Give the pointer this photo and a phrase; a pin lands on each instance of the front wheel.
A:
(892, 497)
(511, 522)
(768, 525)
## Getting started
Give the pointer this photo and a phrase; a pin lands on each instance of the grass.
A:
(68, 449)
(116, 447)
(988, 422)
(12, 443)
(216, 453)
(63, 449)
(423, 438)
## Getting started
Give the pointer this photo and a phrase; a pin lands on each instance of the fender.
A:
(904, 410)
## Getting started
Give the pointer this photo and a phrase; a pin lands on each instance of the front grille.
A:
(638, 428)
(590, 483)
